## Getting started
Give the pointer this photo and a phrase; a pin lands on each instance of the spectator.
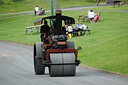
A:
(77, 27)
(42, 9)
(70, 28)
(91, 15)
(82, 28)
(42, 12)
(66, 26)
(36, 11)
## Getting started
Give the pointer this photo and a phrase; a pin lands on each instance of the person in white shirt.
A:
(70, 28)
(82, 28)
(91, 15)
(36, 10)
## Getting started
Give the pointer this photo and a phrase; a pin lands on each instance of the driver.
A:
(45, 31)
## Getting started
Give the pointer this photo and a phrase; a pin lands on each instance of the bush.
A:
(8, 2)
(124, 1)
(93, 1)
(1, 1)
(17, 0)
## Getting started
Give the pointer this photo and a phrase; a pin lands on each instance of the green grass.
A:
(72, 3)
(29, 5)
(11, 15)
(111, 8)
(105, 48)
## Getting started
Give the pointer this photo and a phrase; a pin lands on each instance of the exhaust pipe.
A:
(58, 22)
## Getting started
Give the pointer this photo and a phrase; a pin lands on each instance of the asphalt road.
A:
(16, 68)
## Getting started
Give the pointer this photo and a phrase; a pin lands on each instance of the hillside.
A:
(28, 5)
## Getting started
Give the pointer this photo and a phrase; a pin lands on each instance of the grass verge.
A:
(11, 15)
(111, 8)
(29, 5)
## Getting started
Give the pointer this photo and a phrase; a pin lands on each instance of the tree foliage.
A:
(11, 1)
(1, 1)
(17, 0)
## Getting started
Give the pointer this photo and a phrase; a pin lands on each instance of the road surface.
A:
(16, 68)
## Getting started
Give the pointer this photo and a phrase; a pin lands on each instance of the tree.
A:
(16, 0)
(98, 1)
(1, 1)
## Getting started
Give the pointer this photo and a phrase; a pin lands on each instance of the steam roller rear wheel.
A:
(70, 45)
(58, 68)
(38, 66)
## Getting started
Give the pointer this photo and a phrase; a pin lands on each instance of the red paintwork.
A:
(61, 43)
(60, 51)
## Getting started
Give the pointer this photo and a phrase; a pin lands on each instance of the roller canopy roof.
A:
(66, 19)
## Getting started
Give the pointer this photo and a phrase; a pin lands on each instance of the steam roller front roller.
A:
(62, 64)
(38, 57)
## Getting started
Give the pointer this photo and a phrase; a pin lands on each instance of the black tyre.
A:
(38, 66)
(70, 45)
